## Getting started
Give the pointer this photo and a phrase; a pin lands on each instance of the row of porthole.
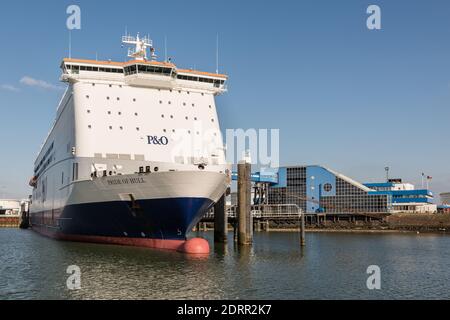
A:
(164, 130)
(160, 101)
(120, 86)
(179, 91)
(187, 118)
(109, 112)
(108, 98)
(184, 104)
(162, 116)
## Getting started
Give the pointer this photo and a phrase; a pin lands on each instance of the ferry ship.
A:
(135, 155)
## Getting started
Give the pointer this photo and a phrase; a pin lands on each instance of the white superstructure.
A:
(130, 131)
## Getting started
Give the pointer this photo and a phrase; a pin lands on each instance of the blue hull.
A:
(168, 219)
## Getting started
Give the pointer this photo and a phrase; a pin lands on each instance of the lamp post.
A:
(387, 173)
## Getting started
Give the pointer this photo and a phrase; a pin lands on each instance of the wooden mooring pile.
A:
(245, 218)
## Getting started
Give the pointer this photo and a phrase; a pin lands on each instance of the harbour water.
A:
(331, 266)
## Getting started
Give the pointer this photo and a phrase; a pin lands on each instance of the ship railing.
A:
(277, 211)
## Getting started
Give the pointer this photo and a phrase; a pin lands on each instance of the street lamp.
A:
(387, 173)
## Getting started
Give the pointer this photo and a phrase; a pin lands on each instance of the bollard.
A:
(302, 230)
(245, 225)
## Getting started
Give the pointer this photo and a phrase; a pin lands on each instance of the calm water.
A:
(332, 266)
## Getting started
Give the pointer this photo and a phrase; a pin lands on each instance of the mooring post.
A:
(220, 221)
(245, 225)
(302, 230)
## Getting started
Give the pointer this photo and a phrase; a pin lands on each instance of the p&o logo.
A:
(155, 140)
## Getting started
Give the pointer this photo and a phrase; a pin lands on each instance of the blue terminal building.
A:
(316, 189)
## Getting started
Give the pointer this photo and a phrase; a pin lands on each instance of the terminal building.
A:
(445, 198)
(405, 198)
(10, 207)
(445, 206)
(316, 189)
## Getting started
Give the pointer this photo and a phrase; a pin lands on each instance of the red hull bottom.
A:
(191, 246)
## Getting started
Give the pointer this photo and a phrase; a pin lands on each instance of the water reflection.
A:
(275, 267)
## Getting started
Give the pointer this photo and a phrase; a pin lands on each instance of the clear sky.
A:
(342, 96)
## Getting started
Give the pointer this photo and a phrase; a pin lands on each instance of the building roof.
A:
(349, 180)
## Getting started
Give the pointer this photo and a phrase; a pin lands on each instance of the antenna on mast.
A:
(139, 52)
(217, 53)
(165, 48)
(70, 44)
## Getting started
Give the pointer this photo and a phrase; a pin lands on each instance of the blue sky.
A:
(342, 96)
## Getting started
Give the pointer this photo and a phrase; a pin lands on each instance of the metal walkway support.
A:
(220, 221)
(245, 221)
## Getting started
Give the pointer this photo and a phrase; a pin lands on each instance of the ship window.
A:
(164, 130)
(195, 118)
(118, 98)
(170, 102)
(119, 113)
(135, 114)
(210, 106)
(173, 130)
(134, 100)
(212, 120)
(110, 127)
(109, 112)
(193, 105)
(87, 97)
(88, 111)
(184, 103)
(187, 118)
(93, 84)
(171, 117)
(137, 128)
(110, 85)
(107, 98)
(121, 128)
(160, 102)
(89, 126)
(203, 94)
(162, 116)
